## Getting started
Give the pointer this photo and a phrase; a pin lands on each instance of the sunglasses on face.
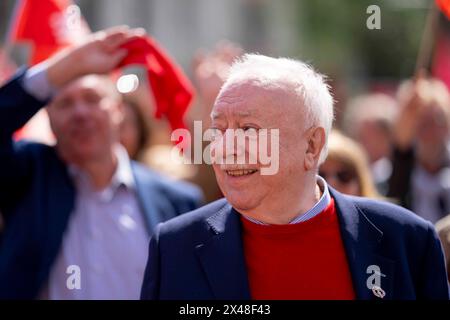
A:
(343, 176)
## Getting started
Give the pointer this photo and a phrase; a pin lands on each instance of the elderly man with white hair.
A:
(288, 235)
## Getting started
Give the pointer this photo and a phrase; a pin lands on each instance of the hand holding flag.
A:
(117, 47)
(101, 53)
(171, 89)
(53, 25)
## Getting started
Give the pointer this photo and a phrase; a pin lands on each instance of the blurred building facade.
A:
(184, 26)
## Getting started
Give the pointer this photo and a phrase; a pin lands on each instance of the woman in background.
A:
(135, 129)
(347, 168)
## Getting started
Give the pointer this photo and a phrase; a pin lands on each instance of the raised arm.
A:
(29, 90)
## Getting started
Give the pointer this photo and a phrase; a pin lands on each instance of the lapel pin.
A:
(378, 292)
(374, 281)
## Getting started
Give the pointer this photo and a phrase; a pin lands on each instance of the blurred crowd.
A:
(394, 148)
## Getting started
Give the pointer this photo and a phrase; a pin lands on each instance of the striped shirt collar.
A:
(123, 174)
(320, 206)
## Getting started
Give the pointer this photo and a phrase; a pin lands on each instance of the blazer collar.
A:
(152, 204)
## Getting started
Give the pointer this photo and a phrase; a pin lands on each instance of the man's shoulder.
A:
(194, 220)
(169, 187)
(34, 147)
(389, 215)
(36, 153)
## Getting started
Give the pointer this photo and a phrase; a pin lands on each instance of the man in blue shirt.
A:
(79, 214)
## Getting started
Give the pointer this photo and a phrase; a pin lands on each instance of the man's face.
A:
(84, 117)
(433, 128)
(248, 106)
(375, 140)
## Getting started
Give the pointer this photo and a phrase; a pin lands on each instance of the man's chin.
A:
(80, 154)
(242, 202)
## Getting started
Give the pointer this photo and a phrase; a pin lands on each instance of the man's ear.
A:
(316, 141)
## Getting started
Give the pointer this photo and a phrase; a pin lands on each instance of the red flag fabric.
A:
(172, 90)
(49, 25)
(441, 63)
(444, 5)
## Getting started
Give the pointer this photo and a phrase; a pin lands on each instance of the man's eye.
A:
(251, 130)
(62, 104)
(216, 132)
(92, 98)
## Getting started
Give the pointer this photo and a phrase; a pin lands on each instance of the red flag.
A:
(441, 63)
(49, 25)
(172, 90)
(444, 5)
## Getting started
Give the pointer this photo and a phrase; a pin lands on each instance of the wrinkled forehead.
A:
(251, 96)
(102, 85)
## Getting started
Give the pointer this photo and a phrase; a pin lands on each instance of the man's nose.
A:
(80, 110)
(234, 145)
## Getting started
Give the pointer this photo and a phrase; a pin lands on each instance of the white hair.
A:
(309, 85)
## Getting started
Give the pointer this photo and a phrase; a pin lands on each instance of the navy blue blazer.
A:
(37, 198)
(199, 255)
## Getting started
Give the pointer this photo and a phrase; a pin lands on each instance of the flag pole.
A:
(426, 43)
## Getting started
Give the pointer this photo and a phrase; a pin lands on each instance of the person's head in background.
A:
(85, 116)
(134, 129)
(210, 68)
(147, 140)
(432, 123)
(346, 167)
(369, 120)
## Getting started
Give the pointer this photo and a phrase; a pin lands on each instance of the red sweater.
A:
(297, 261)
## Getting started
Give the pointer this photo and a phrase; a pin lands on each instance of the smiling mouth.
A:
(239, 173)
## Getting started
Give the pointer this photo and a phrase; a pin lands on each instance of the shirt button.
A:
(106, 195)
(127, 222)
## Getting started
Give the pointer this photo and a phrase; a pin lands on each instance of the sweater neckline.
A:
(322, 219)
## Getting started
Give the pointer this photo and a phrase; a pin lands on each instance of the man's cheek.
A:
(216, 170)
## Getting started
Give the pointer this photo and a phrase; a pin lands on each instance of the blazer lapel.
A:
(152, 205)
(222, 256)
(362, 241)
(59, 205)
